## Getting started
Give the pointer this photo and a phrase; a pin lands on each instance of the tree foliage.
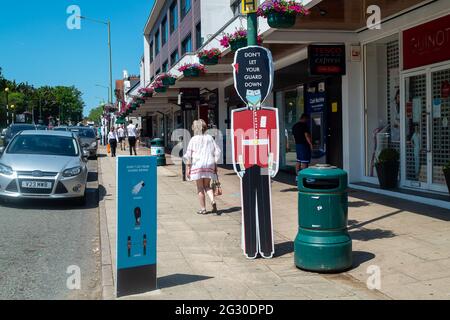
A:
(95, 114)
(43, 102)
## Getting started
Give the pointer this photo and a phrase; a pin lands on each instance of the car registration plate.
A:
(36, 184)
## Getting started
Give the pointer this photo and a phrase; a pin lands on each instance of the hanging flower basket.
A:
(281, 14)
(281, 21)
(209, 61)
(166, 79)
(192, 69)
(191, 73)
(139, 101)
(237, 44)
(209, 57)
(169, 81)
(161, 89)
(237, 40)
(146, 92)
(158, 86)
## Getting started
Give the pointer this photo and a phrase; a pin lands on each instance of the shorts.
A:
(303, 153)
(121, 139)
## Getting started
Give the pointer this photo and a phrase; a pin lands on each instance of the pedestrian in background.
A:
(303, 143)
(113, 139)
(201, 158)
(121, 136)
(132, 135)
(99, 134)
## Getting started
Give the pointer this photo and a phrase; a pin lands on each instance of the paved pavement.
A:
(199, 257)
(39, 240)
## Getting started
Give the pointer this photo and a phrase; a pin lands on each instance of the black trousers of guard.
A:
(256, 193)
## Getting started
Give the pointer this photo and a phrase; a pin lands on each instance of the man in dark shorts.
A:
(303, 143)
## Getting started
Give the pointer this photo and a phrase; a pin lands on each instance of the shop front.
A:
(320, 97)
(407, 84)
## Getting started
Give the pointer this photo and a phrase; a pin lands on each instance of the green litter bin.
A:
(157, 149)
(323, 243)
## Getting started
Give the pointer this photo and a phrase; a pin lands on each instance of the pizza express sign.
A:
(253, 74)
(326, 59)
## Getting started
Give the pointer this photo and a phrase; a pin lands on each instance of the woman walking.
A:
(113, 139)
(201, 159)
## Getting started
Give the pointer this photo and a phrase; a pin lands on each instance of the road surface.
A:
(40, 240)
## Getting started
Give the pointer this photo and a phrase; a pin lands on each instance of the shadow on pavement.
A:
(283, 248)
(401, 205)
(179, 279)
(358, 204)
(371, 234)
(101, 192)
(360, 257)
(230, 210)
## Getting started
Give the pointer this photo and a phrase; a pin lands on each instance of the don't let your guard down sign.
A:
(136, 225)
(253, 74)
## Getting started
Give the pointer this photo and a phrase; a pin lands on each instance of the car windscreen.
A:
(44, 145)
(84, 133)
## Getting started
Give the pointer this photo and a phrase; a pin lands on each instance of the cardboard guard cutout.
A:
(255, 148)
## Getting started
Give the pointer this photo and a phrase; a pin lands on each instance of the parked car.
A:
(61, 128)
(44, 165)
(41, 127)
(14, 129)
(88, 139)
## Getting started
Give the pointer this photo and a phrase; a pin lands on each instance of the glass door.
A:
(415, 142)
(439, 131)
(426, 133)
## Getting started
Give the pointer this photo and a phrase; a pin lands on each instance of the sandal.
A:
(201, 211)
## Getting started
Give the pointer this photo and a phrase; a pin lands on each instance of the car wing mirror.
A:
(2, 149)
(85, 154)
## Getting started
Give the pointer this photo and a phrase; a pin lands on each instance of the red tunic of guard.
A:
(255, 135)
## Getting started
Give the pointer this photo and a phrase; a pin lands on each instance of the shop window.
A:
(291, 104)
(382, 99)
(165, 66)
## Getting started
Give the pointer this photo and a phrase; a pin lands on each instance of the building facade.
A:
(391, 92)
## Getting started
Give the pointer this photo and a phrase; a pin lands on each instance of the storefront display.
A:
(407, 107)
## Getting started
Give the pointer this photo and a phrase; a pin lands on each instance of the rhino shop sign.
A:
(326, 60)
(253, 74)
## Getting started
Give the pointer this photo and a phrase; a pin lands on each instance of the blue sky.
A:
(37, 47)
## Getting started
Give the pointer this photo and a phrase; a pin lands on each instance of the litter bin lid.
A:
(322, 170)
(322, 178)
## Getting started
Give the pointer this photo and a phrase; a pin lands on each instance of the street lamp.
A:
(107, 23)
(13, 113)
(106, 87)
(7, 106)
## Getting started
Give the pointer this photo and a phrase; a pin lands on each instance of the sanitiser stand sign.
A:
(136, 225)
